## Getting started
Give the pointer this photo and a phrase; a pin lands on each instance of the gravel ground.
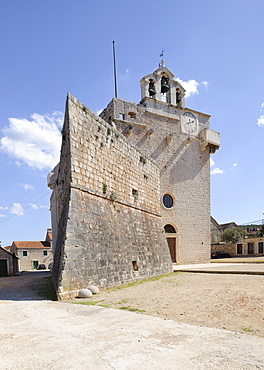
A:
(232, 302)
(24, 287)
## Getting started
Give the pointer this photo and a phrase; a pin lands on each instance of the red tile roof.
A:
(27, 245)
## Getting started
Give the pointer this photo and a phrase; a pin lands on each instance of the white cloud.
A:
(234, 165)
(1, 215)
(36, 143)
(216, 170)
(260, 121)
(34, 206)
(190, 86)
(212, 163)
(17, 209)
(3, 208)
(27, 186)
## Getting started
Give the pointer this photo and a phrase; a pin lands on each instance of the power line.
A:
(23, 209)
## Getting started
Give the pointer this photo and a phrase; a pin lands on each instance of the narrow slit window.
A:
(135, 265)
(135, 194)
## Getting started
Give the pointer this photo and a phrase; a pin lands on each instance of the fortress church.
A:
(131, 193)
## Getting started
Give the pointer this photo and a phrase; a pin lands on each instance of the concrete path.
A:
(52, 335)
(224, 268)
(39, 334)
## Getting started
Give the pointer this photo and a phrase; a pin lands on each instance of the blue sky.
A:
(54, 46)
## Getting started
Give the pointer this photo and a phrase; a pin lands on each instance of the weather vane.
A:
(161, 56)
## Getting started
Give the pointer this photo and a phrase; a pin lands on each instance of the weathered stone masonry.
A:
(131, 193)
(108, 207)
(155, 128)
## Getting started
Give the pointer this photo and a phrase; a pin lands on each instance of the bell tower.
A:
(160, 86)
(179, 141)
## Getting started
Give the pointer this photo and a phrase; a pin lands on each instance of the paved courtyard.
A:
(41, 334)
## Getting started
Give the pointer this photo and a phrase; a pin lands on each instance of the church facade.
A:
(131, 193)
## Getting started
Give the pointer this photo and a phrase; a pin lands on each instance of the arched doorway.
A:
(171, 234)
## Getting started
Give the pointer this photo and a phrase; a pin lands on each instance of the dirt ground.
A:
(224, 301)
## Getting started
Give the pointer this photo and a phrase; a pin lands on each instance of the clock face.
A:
(189, 122)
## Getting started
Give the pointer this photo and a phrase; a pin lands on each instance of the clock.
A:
(189, 123)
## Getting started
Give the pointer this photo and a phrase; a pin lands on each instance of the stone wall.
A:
(11, 262)
(232, 248)
(184, 169)
(110, 229)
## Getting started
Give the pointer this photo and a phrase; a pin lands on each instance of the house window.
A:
(260, 247)
(121, 116)
(167, 201)
(24, 253)
(45, 253)
(239, 248)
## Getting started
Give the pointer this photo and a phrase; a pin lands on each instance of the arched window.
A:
(169, 229)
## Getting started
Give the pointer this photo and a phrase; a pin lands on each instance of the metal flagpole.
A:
(115, 69)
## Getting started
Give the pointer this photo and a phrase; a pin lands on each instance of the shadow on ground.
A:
(28, 286)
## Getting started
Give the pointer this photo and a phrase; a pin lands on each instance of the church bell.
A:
(151, 90)
(164, 84)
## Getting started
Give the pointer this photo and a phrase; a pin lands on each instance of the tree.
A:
(261, 230)
(233, 235)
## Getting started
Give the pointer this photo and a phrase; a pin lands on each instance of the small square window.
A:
(24, 253)
(121, 116)
(132, 114)
(45, 253)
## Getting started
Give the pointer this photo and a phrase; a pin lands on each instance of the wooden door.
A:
(250, 248)
(172, 248)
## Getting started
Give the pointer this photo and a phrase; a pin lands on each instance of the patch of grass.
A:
(131, 309)
(154, 278)
(88, 303)
(46, 289)
(248, 330)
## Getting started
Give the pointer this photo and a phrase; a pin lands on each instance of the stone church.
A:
(131, 193)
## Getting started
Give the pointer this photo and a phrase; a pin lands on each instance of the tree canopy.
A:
(233, 235)
(261, 231)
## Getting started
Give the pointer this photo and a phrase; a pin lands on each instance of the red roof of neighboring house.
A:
(27, 245)
(7, 247)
